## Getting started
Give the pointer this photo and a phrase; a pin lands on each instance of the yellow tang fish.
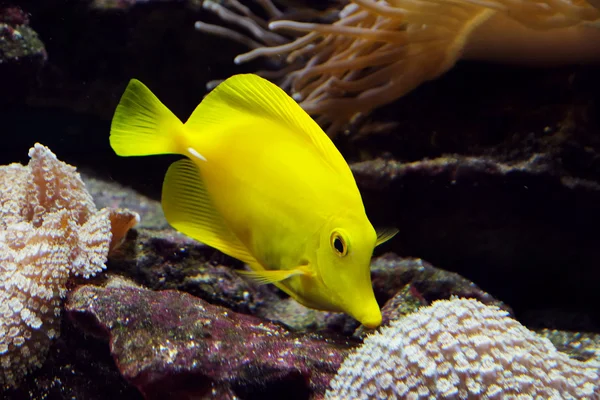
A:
(264, 184)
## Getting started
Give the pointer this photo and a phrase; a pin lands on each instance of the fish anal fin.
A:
(273, 276)
(189, 209)
(385, 234)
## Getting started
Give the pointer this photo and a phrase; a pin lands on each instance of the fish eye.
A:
(338, 244)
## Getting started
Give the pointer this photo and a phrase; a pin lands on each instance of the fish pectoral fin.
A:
(189, 209)
(272, 276)
(385, 234)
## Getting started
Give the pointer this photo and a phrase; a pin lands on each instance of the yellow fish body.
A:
(264, 184)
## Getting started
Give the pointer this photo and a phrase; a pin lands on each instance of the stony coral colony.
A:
(462, 349)
(50, 230)
(343, 62)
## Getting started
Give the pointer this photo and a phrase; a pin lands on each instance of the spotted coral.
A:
(462, 349)
(377, 51)
(49, 230)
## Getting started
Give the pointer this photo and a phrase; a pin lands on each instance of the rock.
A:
(493, 111)
(78, 366)
(171, 342)
(577, 345)
(403, 285)
(392, 274)
(506, 226)
(126, 315)
(22, 55)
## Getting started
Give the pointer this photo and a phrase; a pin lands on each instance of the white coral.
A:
(49, 230)
(462, 349)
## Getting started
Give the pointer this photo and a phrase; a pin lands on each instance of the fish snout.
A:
(367, 312)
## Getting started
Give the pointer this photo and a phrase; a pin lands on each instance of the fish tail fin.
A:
(143, 126)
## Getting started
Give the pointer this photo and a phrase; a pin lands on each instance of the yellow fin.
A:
(385, 234)
(245, 97)
(273, 276)
(142, 125)
(188, 209)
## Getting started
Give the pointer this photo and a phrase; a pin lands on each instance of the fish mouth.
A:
(363, 308)
(369, 314)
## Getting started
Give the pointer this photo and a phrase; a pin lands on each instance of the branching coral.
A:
(49, 230)
(462, 349)
(377, 51)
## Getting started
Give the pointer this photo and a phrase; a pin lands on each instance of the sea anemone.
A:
(374, 52)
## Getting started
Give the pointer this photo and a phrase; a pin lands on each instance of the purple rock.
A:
(170, 344)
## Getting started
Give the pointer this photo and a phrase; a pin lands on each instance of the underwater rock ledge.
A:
(157, 256)
(162, 339)
(506, 227)
(172, 345)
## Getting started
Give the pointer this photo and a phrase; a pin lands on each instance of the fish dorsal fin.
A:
(246, 97)
(189, 209)
(385, 234)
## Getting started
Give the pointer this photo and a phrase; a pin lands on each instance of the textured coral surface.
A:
(49, 230)
(462, 349)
